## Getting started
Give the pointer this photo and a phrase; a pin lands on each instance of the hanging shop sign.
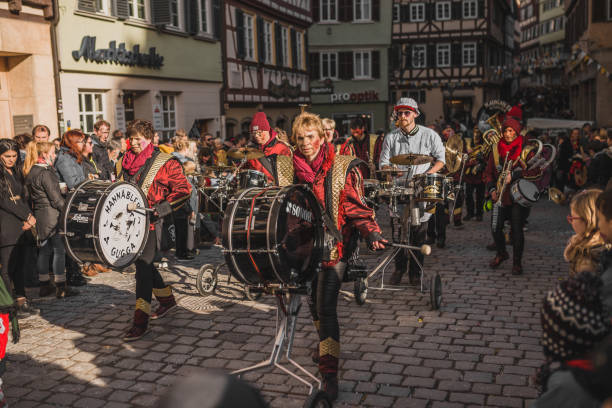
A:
(284, 90)
(117, 54)
(322, 90)
(354, 97)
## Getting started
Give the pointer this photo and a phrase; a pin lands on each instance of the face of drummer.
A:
(138, 142)
(9, 158)
(260, 137)
(309, 143)
(405, 118)
(509, 135)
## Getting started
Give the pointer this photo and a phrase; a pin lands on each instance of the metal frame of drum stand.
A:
(286, 317)
(208, 279)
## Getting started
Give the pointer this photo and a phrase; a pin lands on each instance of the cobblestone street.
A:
(480, 349)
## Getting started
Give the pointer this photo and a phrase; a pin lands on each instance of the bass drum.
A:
(99, 228)
(273, 235)
(524, 192)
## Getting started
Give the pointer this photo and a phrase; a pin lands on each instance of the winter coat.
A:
(90, 167)
(606, 277)
(69, 170)
(563, 391)
(13, 212)
(43, 186)
(100, 157)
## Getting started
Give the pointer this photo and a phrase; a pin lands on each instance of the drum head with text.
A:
(121, 233)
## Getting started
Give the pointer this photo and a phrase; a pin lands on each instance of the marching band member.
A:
(364, 146)
(276, 164)
(411, 138)
(266, 138)
(473, 180)
(337, 184)
(510, 145)
(161, 178)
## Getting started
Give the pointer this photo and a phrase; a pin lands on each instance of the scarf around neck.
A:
(515, 147)
(307, 172)
(132, 162)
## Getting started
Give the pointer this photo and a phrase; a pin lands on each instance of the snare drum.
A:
(371, 188)
(273, 235)
(431, 187)
(524, 192)
(251, 178)
(98, 227)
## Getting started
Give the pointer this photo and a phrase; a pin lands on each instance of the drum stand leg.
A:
(286, 317)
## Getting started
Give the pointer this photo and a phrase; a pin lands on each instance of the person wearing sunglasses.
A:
(585, 247)
(408, 137)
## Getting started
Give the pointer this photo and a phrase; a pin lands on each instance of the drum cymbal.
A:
(411, 159)
(391, 172)
(247, 153)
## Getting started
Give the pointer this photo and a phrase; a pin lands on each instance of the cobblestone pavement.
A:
(480, 349)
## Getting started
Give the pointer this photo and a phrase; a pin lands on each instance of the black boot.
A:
(330, 386)
(64, 291)
(46, 288)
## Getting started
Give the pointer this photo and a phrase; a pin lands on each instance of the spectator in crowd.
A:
(22, 141)
(57, 142)
(573, 324)
(563, 160)
(43, 186)
(604, 223)
(586, 134)
(113, 148)
(184, 215)
(16, 223)
(281, 135)
(119, 136)
(220, 152)
(41, 133)
(99, 154)
(585, 248)
(90, 167)
(205, 157)
(329, 128)
(600, 167)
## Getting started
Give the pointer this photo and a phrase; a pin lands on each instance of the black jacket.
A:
(13, 211)
(46, 198)
(100, 156)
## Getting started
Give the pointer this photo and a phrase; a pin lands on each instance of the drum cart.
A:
(208, 279)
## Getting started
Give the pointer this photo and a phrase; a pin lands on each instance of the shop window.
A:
(91, 109)
(443, 55)
(128, 106)
(443, 10)
(469, 54)
(363, 10)
(417, 12)
(362, 64)
(137, 9)
(204, 16)
(329, 65)
(285, 45)
(329, 10)
(168, 116)
(419, 56)
(470, 9)
(249, 39)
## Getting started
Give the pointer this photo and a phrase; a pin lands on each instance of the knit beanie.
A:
(260, 122)
(573, 318)
(513, 123)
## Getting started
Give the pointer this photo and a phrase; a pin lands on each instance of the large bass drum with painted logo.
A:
(273, 236)
(98, 227)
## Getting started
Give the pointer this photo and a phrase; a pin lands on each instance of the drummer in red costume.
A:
(271, 146)
(161, 178)
(364, 146)
(337, 184)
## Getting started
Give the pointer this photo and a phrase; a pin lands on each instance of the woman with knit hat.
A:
(508, 148)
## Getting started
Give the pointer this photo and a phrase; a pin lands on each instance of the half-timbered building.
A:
(264, 57)
(451, 56)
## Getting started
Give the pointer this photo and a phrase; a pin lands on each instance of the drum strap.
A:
(284, 170)
(335, 180)
(158, 163)
(269, 163)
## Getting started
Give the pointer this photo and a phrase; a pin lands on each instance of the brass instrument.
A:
(490, 138)
(454, 153)
(501, 180)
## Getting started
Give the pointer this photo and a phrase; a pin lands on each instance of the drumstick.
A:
(424, 249)
(135, 207)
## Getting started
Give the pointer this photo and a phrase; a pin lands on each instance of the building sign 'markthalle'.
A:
(119, 55)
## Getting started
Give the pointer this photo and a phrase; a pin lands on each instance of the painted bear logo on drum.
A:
(299, 212)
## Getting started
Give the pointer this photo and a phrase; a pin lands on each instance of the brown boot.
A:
(63, 290)
(89, 270)
(140, 327)
(166, 302)
(499, 258)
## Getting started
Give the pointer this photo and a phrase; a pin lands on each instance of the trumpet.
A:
(501, 180)
(490, 138)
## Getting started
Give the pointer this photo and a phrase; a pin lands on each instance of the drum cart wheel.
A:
(318, 399)
(435, 291)
(207, 279)
(253, 296)
(360, 289)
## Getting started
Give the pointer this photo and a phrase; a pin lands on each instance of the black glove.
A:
(163, 209)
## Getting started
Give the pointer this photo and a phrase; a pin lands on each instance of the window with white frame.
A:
(329, 65)
(609, 9)
(443, 55)
(329, 10)
(299, 59)
(204, 16)
(137, 9)
(168, 116)
(267, 35)
(362, 65)
(285, 45)
(396, 13)
(470, 8)
(249, 38)
(419, 56)
(468, 54)
(91, 109)
(443, 10)
(102, 6)
(417, 12)
(363, 10)
(175, 14)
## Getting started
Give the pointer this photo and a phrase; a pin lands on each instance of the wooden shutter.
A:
(456, 10)
(261, 41)
(120, 9)
(479, 54)
(376, 10)
(293, 49)
(191, 16)
(404, 12)
(345, 12)
(345, 60)
(600, 13)
(481, 9)
(217, 18)
(395, 56)
(375, 64)
(279, 44)
(316, 10)
(431, 56)
(87, 5)
(408, 58)
(161, 12)
(314, 67)
(430, 11)
(240, 45)
(456, 57)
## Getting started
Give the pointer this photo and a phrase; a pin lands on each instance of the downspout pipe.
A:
(56, 68)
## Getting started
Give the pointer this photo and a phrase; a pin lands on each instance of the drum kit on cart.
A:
(272, 237)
